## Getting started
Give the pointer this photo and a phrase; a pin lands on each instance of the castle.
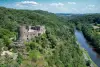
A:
(29, 32)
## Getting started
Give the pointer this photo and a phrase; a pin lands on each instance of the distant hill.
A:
(68, 14)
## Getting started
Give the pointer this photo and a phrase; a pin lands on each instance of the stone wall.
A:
(31, 32)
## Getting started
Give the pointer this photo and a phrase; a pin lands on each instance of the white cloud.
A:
(71, 2)
(89, 8)
(33, 3)
(92, 6)
(76, 10)
(57, 4)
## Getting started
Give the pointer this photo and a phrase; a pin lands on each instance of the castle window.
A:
(27, 38)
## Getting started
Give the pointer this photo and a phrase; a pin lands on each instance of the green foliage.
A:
(57, 46)
(85, 23)
(34, 55)
(5, 36)
(91, 35)
(19, 59)
(88, 63)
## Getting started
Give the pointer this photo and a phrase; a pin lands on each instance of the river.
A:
(82, 41)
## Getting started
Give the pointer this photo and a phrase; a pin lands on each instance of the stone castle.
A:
(29, 32)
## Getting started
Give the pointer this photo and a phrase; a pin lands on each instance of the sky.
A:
(55, 6)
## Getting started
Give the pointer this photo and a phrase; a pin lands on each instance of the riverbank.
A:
(92, 36)
(87, 57)
(88, 53)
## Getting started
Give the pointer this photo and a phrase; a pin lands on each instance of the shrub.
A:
(34, 55)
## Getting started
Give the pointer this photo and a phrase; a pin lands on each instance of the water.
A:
(93, 55)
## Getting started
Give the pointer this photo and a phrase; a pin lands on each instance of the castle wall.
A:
(28, 34)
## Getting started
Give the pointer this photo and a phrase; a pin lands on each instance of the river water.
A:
(82, 41)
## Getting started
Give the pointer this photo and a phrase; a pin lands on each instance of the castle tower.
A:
(23, 33)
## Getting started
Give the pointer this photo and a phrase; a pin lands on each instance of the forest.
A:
(56, 48)
(89, 24)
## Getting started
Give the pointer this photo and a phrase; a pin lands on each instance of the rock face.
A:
(11, 54)
(27, 33)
